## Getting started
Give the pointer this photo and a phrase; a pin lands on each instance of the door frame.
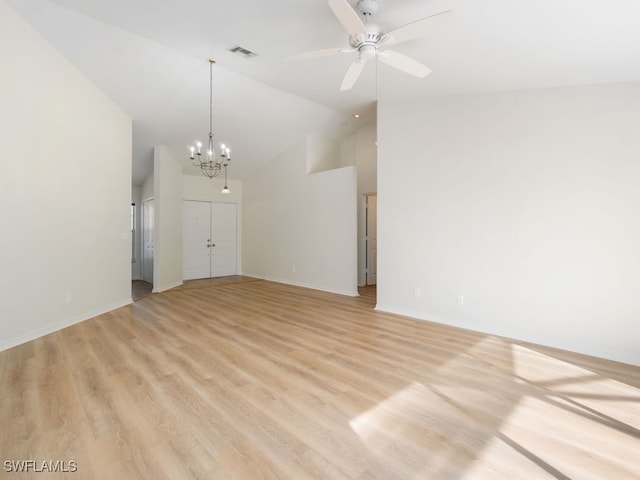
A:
(369, 277)
(362, 234)
(236, 232)
(147, 230)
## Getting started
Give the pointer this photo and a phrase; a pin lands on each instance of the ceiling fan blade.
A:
(354, 71)
(347, 16)
(319, 53)
(416, 29)
(404, 63)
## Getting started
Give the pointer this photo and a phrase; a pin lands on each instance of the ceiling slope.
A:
(151, 58)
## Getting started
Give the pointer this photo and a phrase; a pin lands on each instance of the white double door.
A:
(209, 239)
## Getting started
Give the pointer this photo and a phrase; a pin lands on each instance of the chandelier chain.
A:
(211, 62)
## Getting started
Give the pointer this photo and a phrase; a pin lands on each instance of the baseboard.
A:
(622, 357)
(167, 287)
(348, 293)
(41, 332)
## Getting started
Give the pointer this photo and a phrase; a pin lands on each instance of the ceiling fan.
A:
(367, 39)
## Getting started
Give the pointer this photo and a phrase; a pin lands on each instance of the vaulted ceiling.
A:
(151, 58)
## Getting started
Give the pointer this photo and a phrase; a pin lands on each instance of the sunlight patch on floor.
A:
(577, 387)
(570, 421)
(571, 440)
(388, 415)
(561, 421)
(401, 427)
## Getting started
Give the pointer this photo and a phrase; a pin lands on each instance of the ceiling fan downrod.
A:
(367, 7)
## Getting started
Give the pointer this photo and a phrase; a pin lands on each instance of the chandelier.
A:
(210, 164)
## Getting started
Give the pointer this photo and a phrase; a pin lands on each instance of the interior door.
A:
(209, 241)
(147, 240)
(224, 241)
(196, 240)
(372, 239)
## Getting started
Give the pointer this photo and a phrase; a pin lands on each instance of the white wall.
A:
(298, 228)
(323, 151)
(146, 191)
(208, 189)
(65, 190)
(360, 150)
(527, 204)
(167, 185)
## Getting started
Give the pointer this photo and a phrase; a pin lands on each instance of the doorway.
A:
(148, 227)
(371, 240)
(368, 239)
(209, 239)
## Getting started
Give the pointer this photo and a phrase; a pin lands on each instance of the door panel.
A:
(209, 239)
(196, 220)
(147, 240)
(224, 239)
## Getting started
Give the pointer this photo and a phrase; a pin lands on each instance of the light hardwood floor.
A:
(253, 380)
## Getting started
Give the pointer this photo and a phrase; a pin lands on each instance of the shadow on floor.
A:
(140, 289)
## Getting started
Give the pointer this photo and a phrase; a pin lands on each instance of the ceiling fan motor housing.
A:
(372, 37)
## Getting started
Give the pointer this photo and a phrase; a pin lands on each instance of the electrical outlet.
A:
(293, 269)
(416, 292)
(460, 299)
(68, 298)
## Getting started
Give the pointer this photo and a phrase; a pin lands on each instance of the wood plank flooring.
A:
(258, 380)
(140, 289)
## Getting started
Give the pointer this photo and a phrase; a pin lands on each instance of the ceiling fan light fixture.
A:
(367, 52)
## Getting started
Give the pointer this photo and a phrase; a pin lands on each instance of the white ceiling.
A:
(151, 58)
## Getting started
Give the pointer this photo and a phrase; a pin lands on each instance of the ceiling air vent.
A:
(243, 52)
